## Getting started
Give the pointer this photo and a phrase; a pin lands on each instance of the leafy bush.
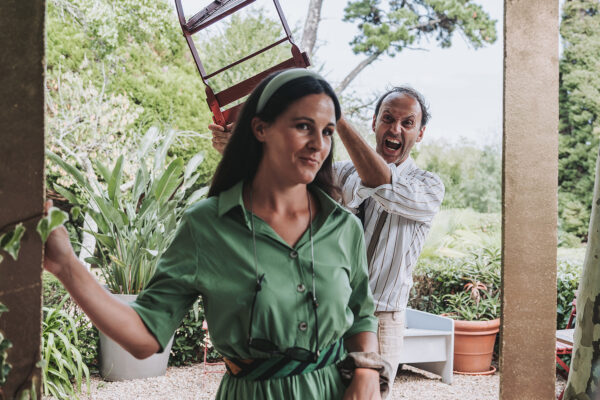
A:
(135, 223)
(567, 282)
(188, 344)
(53, 295)
(440, 285)
(435, 278)
(63, 367)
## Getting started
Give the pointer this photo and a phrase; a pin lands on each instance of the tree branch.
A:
(366, 62)
(357, 70)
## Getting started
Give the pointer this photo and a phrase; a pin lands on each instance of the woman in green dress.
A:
(280, 265)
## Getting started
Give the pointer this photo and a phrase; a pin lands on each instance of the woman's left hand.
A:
(364, 385)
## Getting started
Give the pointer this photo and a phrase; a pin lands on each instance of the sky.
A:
(463, 86)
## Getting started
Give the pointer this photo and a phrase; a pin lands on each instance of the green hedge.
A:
(435, 277)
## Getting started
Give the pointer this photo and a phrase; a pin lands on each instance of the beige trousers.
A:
(390, 335)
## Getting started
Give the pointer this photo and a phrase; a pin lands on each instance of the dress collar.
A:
(232, 198)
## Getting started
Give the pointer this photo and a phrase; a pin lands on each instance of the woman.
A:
(280, 265)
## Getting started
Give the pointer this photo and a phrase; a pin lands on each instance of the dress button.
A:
(302, 326)
(301, 288)
(293, 254)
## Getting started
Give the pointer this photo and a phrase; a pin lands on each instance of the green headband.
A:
(280, 80)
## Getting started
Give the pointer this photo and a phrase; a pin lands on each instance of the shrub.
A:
(440, 284)
(188, 344)
(53, 295)
(63, 367)
(435, 278)
(567, 282)
(136, 223)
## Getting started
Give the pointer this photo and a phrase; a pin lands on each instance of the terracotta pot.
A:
(474, 345)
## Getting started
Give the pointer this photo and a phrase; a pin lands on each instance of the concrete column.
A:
(529, 207)
(22, 182)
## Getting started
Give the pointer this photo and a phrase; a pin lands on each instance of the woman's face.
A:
(297, 143)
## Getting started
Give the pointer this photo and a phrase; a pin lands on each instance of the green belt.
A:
(259, 369)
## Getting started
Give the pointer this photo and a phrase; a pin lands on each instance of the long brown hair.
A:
(244, 152)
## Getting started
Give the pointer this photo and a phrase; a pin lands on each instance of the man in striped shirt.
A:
(396, 202)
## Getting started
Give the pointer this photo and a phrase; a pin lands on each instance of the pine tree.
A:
(579, 125)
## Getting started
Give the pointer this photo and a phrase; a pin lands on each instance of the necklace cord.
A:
(313, 293)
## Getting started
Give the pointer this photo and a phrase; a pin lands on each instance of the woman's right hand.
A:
(58, 254)
(221, 136)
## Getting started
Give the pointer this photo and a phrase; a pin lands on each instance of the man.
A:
(395, 200)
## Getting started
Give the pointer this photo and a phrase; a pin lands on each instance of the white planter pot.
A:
(116, 364)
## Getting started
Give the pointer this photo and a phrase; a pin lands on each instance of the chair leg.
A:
(565, 373)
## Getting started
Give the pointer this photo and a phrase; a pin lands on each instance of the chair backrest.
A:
(212, 13)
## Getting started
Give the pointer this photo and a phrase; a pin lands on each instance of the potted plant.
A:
(476, 310)
(136, 222)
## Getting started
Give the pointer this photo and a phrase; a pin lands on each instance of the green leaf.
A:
(161, 153)
(75, 212)
(141, 181)
(105, 240)
(168, 181)
(93, 260)
(192, 166)
(150, 137)
(197, 195)
(67, 194)
(115, 182)
(11, 242)
(53, 220)
(103, 170)
(74, 172)
(3, 308)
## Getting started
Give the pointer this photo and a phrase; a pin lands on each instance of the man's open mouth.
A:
(392, 144)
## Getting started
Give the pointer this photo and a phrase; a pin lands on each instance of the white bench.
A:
(429, 343)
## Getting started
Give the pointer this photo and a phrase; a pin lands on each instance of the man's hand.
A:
(221, 136)
(364, 385)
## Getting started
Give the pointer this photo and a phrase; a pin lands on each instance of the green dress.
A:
(212, 256)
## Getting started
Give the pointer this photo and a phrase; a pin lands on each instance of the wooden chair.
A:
(564, 344)
(214, 12)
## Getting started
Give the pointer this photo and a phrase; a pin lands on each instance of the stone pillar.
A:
(22, 183)
(529, 206)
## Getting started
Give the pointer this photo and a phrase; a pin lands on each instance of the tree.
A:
(584, 376)
(579, 103)
(386, 28)
(472, 175)
(311, 25)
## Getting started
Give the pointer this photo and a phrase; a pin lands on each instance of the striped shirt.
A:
(397, 218)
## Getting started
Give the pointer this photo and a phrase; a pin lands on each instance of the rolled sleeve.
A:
(361, 299)
(173, 288)
(413, 193)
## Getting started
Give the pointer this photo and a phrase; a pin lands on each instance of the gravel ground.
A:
(190, 383)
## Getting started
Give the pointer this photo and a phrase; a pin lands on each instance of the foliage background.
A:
(579, 107)
(113, 72)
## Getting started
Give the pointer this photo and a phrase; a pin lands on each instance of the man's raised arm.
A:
(371, 167)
